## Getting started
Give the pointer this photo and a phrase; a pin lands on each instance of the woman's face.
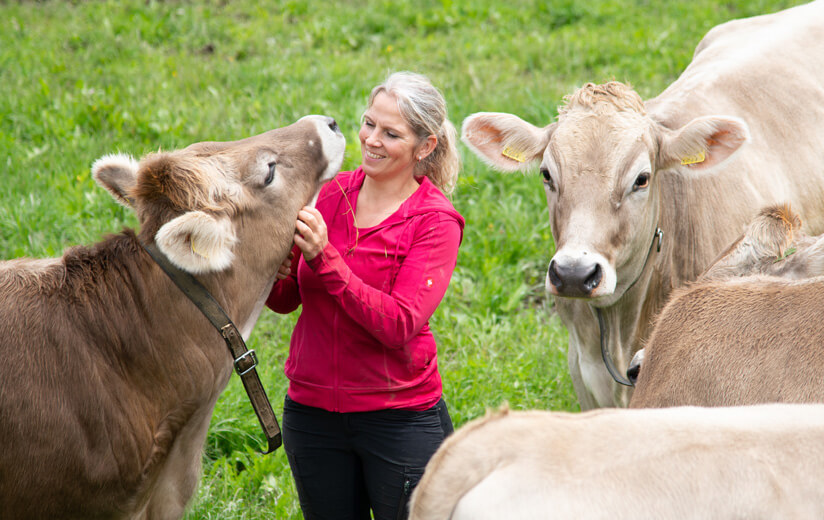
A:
(388, 144)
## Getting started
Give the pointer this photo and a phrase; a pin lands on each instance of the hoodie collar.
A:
(427, 198)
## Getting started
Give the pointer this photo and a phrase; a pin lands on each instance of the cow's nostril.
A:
(593, 279)
(333, 126)
(632, 373)
(554, 278)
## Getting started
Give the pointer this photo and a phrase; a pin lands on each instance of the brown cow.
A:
(682, 463)
(615, 169)
(110, 374)
(747, 331)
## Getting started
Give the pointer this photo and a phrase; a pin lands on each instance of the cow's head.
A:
(195, 203)
(600, 165)
(773, 244)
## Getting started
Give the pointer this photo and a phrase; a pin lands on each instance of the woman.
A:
(364, 413)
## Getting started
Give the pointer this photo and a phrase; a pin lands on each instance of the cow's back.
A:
(69, 381)
(744, 64)
(769, 71)
(675, 463)
(736, 342)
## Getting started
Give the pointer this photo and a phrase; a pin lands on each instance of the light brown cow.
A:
(747, 331)
(772, 245)
(754, 339)
(615, 169)
(676, 463)
(110, 374)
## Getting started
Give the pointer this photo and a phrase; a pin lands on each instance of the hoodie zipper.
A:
(335, 370)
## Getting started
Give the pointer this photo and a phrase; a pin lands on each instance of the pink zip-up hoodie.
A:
(362, 341)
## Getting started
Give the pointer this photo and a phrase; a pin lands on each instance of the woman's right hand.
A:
(285, 268)
(310, 232)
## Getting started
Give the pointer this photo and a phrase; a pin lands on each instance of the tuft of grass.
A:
(83, 79)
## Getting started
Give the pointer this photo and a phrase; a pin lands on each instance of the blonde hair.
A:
(423, 107)
(615, 94)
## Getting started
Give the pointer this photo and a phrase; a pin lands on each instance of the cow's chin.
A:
(608, 294)
(314, 200)
(604, 300)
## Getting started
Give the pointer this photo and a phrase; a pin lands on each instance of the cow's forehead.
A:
(296, 146)
(212, 174)
(299, 134)
(603, 140)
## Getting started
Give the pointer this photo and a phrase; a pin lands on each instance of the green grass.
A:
(82, 79)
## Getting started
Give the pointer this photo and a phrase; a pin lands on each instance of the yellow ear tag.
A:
(513, 154)
(694, 159)
(195, 251)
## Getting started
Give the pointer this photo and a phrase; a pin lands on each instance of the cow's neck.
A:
(155, 346)
(150, 355)
(629, 320)
(243, 307)
(619, 376)
(245, 285)
(156, 333)
(624, 328)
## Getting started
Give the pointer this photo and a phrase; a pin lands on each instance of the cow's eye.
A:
(548, 179)
(641, 182)
(271, 175)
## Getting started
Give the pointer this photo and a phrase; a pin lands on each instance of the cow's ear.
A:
(702, 143)
(504, 141)
(198, 242)
(118, 174)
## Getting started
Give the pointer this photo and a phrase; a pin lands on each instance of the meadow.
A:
(82, 79)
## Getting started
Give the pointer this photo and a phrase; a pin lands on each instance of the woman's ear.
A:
(426, 147)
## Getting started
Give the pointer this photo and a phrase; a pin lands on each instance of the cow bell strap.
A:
(657, 238)
(605, 355)
(245, 360)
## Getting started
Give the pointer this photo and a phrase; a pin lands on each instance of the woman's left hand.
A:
(285, 268)
(310, 233)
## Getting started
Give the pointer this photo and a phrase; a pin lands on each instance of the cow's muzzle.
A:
(574, 279)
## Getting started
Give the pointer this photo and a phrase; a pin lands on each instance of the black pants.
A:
(345, 464)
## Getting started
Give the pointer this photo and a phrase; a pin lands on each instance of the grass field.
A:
(82, 79)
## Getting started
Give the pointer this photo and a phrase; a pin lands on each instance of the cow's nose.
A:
(632, 373)
(333, 125)
(575, 279)
(635, 366)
